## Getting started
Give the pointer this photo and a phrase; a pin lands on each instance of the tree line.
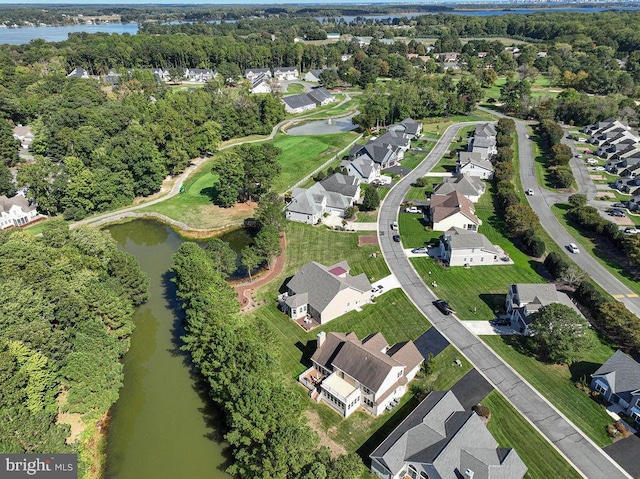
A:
(66, 304)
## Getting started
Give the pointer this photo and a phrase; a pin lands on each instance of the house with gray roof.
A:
(523, 300)
(313, 76)
(473, 163)
(483, 145)
(332, 195)
(471, 187)
(251, 73)
(324, 292)
(408, 127)
(286, 73)
(350, 374)
(16, 211)
(618, 381)
(260, 84)
(439, 439)
(460, 247)
(78, 72)
(298, 103)
(634, 201)
(362, 168)
(485, 130)
(199, 74)
(320, 96)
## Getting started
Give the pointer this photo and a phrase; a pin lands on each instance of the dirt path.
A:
(315, 423)
(245, 290)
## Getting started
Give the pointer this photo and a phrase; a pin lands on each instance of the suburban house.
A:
(362, 168)
(24, 135)
(251, 73)
(16, 211)
(626, 184)
(604, 125)
(485, 146)
(313, 76)
(618, 381)
(286, 73)
(383, 155)
(324, 293)
(349, 373)
(409, 128)
(471, 187)
(199, 74)
(332, 195)
(160, 74)
(634, 201)
(320, 96)
(78, 72)
(485, 130)
(459, 247)
(622, 164)
(260, 84)
(473, 164)
(298, 103)
(452, 210)
(523, 300)
(439, 439)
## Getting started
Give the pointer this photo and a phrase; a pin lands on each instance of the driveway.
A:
(471, 389)
(625, 452)
(485, 328)
(588, 458)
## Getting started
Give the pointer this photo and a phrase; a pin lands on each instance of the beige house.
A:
(324, 292)
(470, 187)
(459, 247)
(349, 373)
(453, 211)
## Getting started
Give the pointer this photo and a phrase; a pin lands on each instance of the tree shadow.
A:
(520, 344)
(495, 302)
(582, 370)
(210, 192)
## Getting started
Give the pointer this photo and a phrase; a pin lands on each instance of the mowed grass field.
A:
(556, 382)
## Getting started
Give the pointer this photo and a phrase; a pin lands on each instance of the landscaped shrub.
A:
(532, 244)
(482, 411)
(556, 264)
(422, 182)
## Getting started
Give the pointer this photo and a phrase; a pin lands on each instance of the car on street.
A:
(443, 306)
(631, 231)
(421, 250)
(396, 238)
(592, 161)
(573, 248)
(618, 205)
(394, 225)
(530, 192)
(617, 212)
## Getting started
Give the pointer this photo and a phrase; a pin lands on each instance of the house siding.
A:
(457, 220)
(345, 301)
(303, 218)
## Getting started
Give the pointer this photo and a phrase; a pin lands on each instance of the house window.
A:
(412, 472)
(400, 374)
(424, 475)
(368, 402)
(600, 388)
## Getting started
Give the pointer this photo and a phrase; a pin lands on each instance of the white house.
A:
(324, 292)
(471, 187)
(286, 73)
(251, 73)
(260, 84)
(199, 74)
(408, 127)
(332, 195)
(313, 76)
(439, 439)
(78, 72)
(16, 211)
(459, 247)
(349, 373)
(24, 135)
(473, 164)
(525, 299)
(362, 168)
(320, 96)
(298, 103)
(453, 211)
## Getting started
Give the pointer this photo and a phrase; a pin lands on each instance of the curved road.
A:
(591, 461)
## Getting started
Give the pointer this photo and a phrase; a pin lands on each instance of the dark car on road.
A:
(443, 306)
(396, 238)
(617, 212)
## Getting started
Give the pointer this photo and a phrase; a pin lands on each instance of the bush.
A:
(422, 182)
(588, 295)
(556, 264)
(577, 200)
(350, 212)
(74, 213)
(532, 244)
(320, 175)
(482, 411)
(563, 177)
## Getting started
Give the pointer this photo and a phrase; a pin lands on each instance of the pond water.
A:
(323, 127)
(163, 425)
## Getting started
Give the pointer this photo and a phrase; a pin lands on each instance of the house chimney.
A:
(468, 474)
(321, 337)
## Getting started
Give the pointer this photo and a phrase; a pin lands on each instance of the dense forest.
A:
(66, 308)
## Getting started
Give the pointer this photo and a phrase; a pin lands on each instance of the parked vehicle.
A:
(573, 248)
(631, 231)
(530, 192)
(412, 209)
(396, 238)
(592, 161)
(617, 212)
(500, 322)
(443, 306)
(421, 250)
(394, 225)
(619, 205)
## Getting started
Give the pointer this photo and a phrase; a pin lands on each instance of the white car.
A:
(412, 209)
(530, 192)
(573, 248)
(592, 161)
(394, 225)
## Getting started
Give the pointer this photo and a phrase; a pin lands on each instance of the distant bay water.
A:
(22, 35)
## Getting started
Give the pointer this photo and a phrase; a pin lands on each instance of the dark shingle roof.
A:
(343, 184)
(298, 101)
(318, 95)
(622, 373)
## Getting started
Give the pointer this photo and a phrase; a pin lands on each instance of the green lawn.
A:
(335, 108)
(543, 173)
(413, 159)
(294, 88)
(434, 127)
(588, 246)
(418, 193)
(367, 216)
(412, 232)
(446, 165)
(556, 382)
(510, 429)
(303, 154)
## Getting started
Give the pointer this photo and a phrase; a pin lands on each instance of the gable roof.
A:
(316, 73)
(362, 164)
(305, 201)
(258, 80)
(257, 71)
(322, 286)
(443, 206)
(536, 294)
(485, 130)
(621, 372)
(459, 238)
(17, 200)
(343, 184)
(368, 361)
(439, 432)
(300, 100)
(474, 158)
(78, 72)
(465, 184)
(318, 95)
(284, 69)
(482, 142)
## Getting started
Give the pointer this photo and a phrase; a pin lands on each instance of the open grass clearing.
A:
(556, 382)
(586, 240)
(510, 429)
(367, 216)
(413, 158)
(295, 88)
(412, 231)
(434, 127)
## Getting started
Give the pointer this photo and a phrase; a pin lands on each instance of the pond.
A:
(163, 424)
(323, 127)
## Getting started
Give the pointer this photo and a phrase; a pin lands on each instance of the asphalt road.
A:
(586, 457)
(541, 202)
